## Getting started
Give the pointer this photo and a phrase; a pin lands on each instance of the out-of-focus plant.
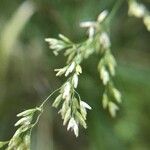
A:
(72, 109)
(138, 10)
(11, 31)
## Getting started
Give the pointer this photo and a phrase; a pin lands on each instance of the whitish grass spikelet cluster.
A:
(106, 68)
(72, 109)
(140, 11)
(68, 101)
(107, 64)
(21, 138)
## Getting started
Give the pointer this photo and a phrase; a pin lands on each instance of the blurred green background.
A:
(27, 76)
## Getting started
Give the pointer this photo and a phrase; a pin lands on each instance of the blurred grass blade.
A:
(11, 32)
(15, 25)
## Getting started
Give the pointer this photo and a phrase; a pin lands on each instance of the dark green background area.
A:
(28, 76)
